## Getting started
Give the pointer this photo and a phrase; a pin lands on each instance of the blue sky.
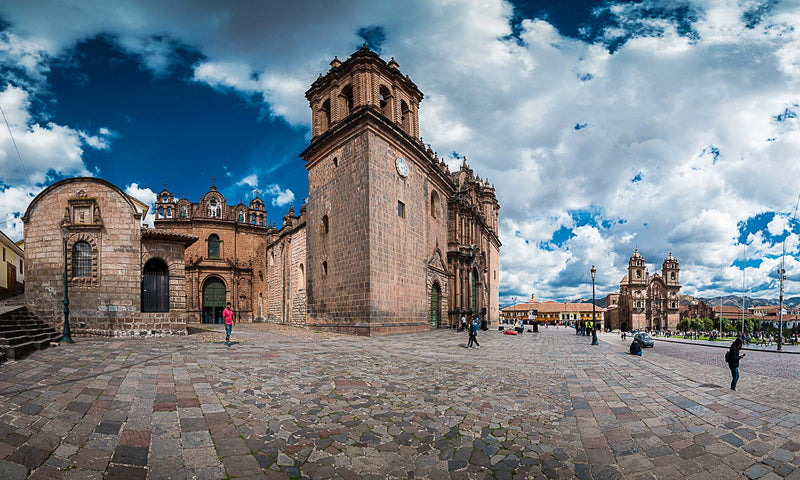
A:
(667, 126)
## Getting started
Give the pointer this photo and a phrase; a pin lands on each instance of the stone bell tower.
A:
(637, 288)
(377, 203)
(670, 269)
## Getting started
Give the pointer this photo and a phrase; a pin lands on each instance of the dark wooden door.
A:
(155, 292)
(11, 277)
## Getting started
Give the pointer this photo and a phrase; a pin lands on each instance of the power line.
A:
(16, 148)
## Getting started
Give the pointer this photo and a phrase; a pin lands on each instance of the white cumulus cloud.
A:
(280, 197)
(145, 195)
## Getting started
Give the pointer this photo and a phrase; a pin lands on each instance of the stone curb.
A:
(724, 346)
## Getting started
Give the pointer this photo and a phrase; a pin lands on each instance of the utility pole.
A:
(744, 267)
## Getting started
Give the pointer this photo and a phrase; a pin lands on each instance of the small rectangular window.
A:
(401, 209)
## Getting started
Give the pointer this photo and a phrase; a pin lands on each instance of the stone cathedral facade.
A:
(644, 301)
(390, 241)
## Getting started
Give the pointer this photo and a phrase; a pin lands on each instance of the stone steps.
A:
(21, 333)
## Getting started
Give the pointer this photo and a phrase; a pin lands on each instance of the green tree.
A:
(708, 324)
(684, 324)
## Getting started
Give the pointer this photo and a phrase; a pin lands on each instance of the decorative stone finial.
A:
(393, 64)
(335, 62)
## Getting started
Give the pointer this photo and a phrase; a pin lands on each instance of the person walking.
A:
(227, 316)
(474, 332)
(732, 358)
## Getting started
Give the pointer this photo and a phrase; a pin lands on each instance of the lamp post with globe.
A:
(66, 336)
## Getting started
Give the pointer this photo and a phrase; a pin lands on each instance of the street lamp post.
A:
(782, 277)
(66, 336)
(594, 316)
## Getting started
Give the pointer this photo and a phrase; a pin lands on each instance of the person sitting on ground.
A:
(636, 349)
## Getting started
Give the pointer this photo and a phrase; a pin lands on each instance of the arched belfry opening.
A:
(405, 116)
(347, 100)
(385, 102)
(324, 117)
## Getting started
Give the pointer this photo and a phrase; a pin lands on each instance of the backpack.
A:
(728, 356)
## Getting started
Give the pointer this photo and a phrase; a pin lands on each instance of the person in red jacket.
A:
(227, 316)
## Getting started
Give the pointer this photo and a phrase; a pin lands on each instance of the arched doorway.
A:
(624, 326)
(155, 286)
(436, 294)
(213, 300)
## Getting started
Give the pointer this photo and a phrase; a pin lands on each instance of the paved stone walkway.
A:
(287, 404)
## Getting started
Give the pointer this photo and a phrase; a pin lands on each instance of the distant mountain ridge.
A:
(736, 301)
(727, 301)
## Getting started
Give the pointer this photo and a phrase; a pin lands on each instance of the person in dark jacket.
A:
(733, 361)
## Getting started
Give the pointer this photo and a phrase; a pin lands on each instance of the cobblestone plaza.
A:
(283, 403)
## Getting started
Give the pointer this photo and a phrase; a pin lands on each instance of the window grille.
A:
(81, 259)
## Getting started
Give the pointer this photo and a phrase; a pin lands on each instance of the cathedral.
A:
(228, 263)
(646, 302)
(390, 241)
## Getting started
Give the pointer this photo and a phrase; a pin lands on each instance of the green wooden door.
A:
(213, 300)
(435, 301)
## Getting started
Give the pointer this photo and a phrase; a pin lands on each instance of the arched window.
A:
(160, 212)
(347, 99)
(385, 101)
(302, 280)
(435, 204)
(261, 220)
(155, 286)
(324, 224)
(252, 218)
(324, 268)
(241, 217)
(81, 259)
(213, 246)
(169, 213)
(405, 116)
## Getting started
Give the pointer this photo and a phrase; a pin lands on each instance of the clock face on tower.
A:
(401, 166)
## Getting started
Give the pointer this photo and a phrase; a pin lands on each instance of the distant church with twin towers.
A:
(644, 301)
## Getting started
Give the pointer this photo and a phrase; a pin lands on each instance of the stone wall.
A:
(338, 182)
(401, 247)
(108, 300)
(286, 275)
